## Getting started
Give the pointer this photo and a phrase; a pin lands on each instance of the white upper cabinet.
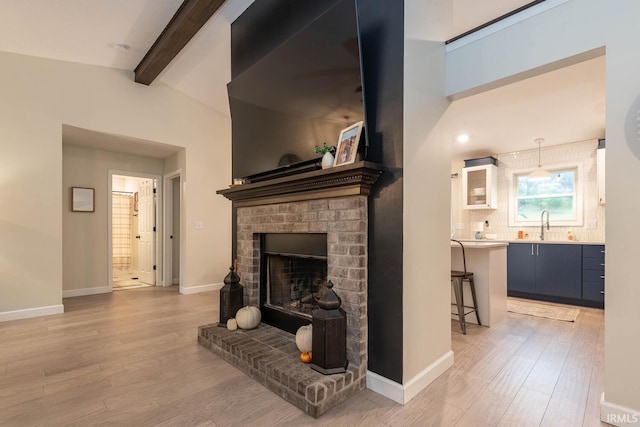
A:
(600, 165)
(480, 187)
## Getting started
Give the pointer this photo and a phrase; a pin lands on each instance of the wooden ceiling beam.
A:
(187, 21)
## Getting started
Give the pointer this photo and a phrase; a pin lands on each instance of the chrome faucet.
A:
(542, 223)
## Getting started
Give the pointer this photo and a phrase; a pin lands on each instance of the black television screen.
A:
(301, 94)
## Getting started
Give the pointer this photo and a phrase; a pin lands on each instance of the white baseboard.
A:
(202, 288)
(85, 291)
(403, 393)
(28, 313)
(428, 375)
(385, 387)
(617, 415)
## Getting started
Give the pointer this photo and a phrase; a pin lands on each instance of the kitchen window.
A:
(561, 195)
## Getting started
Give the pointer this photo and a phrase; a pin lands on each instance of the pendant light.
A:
(539, 174)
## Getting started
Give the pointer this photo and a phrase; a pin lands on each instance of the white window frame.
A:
(578, 197)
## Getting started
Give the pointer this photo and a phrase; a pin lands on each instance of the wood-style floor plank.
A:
(569, 399)
(596, 386)
(132, 358)
(527, 409)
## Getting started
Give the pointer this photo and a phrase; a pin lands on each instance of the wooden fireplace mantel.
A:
(346, 180)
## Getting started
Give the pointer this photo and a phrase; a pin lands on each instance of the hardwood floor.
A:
(131, 358)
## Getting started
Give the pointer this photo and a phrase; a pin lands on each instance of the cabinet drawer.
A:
(592, 291)
(593, 264)
(593, 251)
(592, 276)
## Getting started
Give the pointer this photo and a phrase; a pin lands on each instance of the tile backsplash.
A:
(578, 152)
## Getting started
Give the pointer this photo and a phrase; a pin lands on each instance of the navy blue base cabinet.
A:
(566, 273)
(593, 274)
(521, 268)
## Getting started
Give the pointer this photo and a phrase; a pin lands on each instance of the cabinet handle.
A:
(602, 277)
(602, 265)
(601, 252)
(537, 250)
(532, 249)
(602, 292)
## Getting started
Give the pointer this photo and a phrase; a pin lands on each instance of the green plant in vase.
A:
(327, 156)
(324, 149)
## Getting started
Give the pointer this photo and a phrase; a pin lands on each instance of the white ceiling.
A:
(84, 30)
(563, 106)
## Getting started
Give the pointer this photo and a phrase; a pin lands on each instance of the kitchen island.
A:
(487, 260)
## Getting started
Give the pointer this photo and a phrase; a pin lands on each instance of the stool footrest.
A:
(466, 313)
(457, 281)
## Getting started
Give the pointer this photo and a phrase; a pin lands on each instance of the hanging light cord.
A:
(539, 163)
(539, 141)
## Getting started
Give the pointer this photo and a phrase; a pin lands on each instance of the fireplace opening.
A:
(294, 266)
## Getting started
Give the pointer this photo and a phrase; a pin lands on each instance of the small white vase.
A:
(327, 160)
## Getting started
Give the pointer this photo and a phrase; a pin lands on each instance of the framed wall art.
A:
(82, 199)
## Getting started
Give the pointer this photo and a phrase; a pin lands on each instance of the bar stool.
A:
(457, 280)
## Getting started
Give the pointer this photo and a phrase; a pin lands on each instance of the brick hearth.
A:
(270, 356)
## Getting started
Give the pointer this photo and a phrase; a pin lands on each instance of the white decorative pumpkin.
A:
(303, 338)
(232, 325)
(248, 317)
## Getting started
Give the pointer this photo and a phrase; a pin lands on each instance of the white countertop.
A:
(534, 241)
(480, 244)
(557, 242)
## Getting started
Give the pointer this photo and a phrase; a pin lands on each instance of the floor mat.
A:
(556, 312)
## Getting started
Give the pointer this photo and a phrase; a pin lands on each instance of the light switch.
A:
(198, 225)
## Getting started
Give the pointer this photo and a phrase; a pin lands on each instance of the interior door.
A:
(146, 226)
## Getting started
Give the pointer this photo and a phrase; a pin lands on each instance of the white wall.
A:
(127, 184)
(38, 97)
(426, 349)
(576, 27)
(459, 216)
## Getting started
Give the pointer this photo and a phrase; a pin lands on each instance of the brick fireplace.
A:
(331, 202)
(344, 219)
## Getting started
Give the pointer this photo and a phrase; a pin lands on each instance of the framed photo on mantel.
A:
(348, 144)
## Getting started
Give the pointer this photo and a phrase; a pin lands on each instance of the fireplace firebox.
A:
(293, 267)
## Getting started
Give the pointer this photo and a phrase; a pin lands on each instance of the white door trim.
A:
(159, 224)
(167, 273)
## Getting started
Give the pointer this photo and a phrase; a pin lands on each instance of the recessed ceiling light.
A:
(463, 137)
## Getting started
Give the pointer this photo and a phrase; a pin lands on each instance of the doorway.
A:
(134, 219)
(172, 233)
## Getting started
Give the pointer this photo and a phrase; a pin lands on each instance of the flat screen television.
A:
(299, 95)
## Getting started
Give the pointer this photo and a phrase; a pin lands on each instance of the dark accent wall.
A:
(267, 23)
(382, 44)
